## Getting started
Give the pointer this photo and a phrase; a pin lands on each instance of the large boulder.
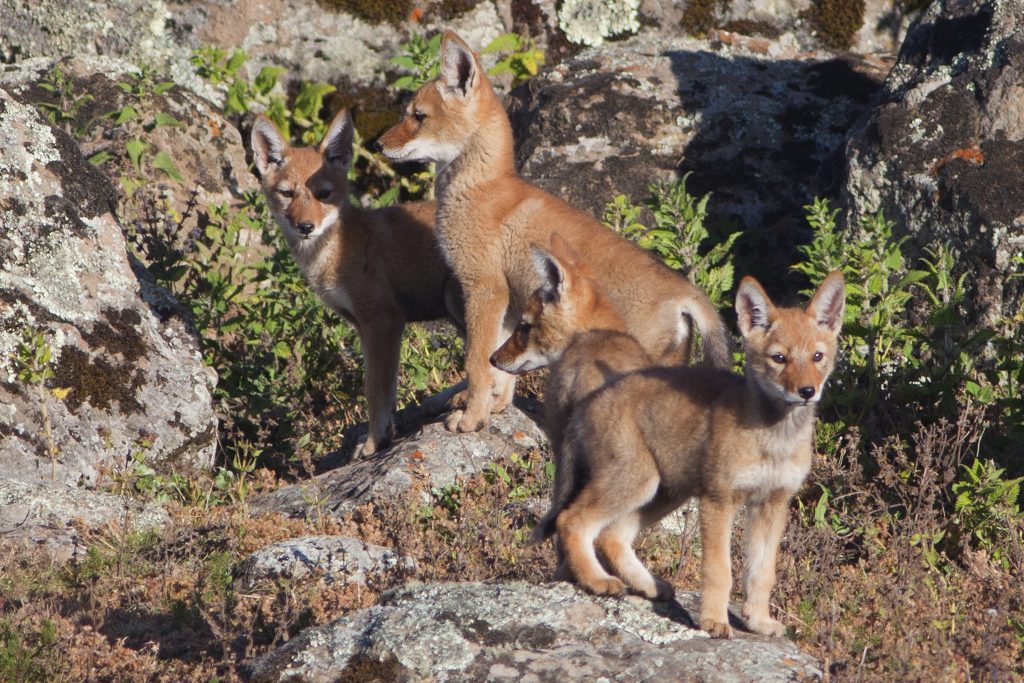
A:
(161, 212)
(523, 632)
(753, 130)
(314, 41)
(127, 376)
(943, 152)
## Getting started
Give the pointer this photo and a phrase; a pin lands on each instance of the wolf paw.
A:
(610, 586)
(768, 627)
(458, 421)
(716, 629)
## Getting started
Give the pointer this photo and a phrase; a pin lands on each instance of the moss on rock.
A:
(374, 11)
(836, 22)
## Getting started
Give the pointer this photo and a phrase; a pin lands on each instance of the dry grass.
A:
(865, 594)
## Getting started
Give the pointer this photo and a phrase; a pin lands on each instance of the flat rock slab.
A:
(434, 453)
(524, 632)
(49, 515)
(332, 559)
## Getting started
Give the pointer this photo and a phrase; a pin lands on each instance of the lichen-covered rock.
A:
(312, 40)
(434, 456)
(590, 22)
(943, 152)
(122, 351)
(522, 632)
(52, 516)
(159, 211)
(753, 131)
(330, 559)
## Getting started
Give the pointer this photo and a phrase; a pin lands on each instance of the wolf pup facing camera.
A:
(378, 269)
(655, 438)
(488, 217)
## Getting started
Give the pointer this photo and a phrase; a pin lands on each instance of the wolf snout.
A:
(305, 228)
(376, 146)
(806, 393)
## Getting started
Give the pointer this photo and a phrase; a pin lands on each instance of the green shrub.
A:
(679, 235)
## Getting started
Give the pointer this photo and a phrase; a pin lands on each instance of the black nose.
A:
(376, 146)
(494, 359)
(305, 227)
(806, 393)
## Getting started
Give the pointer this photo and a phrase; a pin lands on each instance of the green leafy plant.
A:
(519, 475)
(876, 337)
(33, 364)
(421, 57)
(143, 86)
(302, 120)
(66, 108)
(679, 235)
(522, 58)
(987, 507)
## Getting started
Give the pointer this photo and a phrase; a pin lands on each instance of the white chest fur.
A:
(771, 475)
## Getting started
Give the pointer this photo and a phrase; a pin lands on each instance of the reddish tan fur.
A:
(654, 438)
(379, 269)
(570, 324)
(488, 216)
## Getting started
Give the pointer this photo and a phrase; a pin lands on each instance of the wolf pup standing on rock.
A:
(379, 269)
(654, 438)
(488, 216)
(571, 325)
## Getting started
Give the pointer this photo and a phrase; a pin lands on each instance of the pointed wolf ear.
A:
(551, 271)
(753, 307)
(829, 303)
(337, 144)
(563, 252)
(458, 65)
(268, 144)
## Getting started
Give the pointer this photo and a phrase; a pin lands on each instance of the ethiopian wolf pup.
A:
(379, 269)
(488, 216)
(572, 326)
(654, 438)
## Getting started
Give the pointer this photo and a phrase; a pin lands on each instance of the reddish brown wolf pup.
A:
(652, 439)
(379, 269)
(488, 217)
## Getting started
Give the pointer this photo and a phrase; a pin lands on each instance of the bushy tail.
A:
(566, 485)
(715, 338)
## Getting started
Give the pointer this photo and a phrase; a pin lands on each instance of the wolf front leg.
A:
(382, 341)
(765, 524)
(486, 305)
(716, 518)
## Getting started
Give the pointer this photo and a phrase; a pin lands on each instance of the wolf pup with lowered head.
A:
(571, 325)
(654, 438)
(379, 269)
(488, 217)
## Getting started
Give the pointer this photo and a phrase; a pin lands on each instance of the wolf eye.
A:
(323, 193)
(418, 115)
(285, 192)
(778, 358)
(818, 355)
(523, 328)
